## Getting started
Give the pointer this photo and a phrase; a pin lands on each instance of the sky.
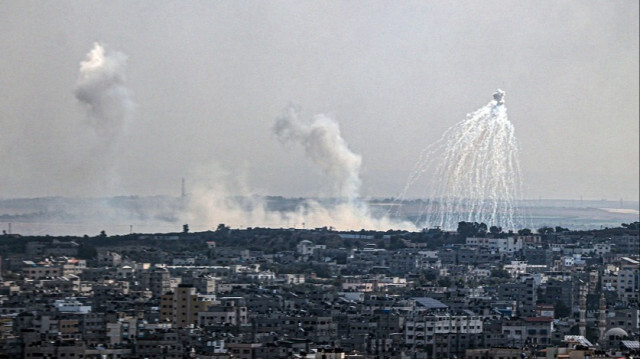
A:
(205, 81)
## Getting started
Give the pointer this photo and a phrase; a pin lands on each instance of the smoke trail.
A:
(101, 88)
(325, 146)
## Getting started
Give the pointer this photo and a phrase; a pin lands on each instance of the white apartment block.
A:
(629, 279)
(497, 245)
(421, 330)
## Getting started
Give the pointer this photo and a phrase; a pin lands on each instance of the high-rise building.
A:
(182, 306)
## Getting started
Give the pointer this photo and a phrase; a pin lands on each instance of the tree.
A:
(224, 230)
(472, 229)
(495, 229)
(86, 251)
(185, 228)
(444, 282)
(430, 274)
(524, 232)
(500, 273)
(396, 243)
(561, 310)
(545, 230)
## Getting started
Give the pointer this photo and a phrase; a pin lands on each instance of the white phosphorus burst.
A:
(474, 172)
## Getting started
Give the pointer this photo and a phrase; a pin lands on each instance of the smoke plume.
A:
(101, 88)
(325, 146)
(216, 196)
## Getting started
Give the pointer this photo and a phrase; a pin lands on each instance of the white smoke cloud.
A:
(101, 88)
(325, 146)
(215, 197)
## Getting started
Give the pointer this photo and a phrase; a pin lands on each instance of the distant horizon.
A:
(369, 198)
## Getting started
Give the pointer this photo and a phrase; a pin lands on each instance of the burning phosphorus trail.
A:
(474, 171)
(101, 87)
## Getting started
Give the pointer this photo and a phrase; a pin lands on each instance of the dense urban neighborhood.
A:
(476, 293)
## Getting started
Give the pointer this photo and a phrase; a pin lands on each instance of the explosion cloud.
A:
(101, 88)
(213, 200)
(325, 146)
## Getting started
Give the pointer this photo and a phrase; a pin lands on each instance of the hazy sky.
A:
(209, 79)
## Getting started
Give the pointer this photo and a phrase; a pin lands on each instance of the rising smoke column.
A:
(212, 198)
(325, 146)
(101, 87)
(474, 171)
